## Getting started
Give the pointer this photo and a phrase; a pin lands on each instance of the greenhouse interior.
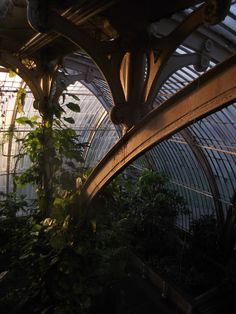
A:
(118, 157)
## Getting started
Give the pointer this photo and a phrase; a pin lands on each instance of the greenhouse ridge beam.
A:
(203, 96)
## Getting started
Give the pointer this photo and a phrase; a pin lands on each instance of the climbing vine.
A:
(54, 151)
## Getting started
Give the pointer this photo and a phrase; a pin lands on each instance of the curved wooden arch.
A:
(207, 94)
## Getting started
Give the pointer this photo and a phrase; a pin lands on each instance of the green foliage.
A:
(25, 120)
(56, 265)
(67, 259)
(69, 120)
(56, 259)
(54, 145)
(140, 215)
(48, 273)
(146, 211)
(65, 262)
(11, 204)
(73, 106)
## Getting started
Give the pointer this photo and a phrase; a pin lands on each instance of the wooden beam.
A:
(207, 94)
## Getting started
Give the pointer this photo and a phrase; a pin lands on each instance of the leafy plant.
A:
(55, 249)
(54, 150)
(49, 271)
(149, 216)
(141, 216)
(11, 204)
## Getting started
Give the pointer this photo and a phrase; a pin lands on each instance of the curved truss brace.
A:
(39, 81)
(203, 96)
(111, 64)
(213, 11)
(124, 62)
(29, 76)
(105, 104)
(32, 80)
(96, 51)
(166, 48)
(88, 69)
(206, 168)
(175, 63)
(220, 50)
(88, 72)
(118, 65)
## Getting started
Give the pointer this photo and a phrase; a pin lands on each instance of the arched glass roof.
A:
(199, 160)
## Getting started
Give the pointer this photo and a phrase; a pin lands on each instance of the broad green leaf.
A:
(35, 118)
(73, 106)
(69, 120)
(24, 120)
(36, 227)
(58, 110)
(58, 114)
(58, 202)
(58, 242)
